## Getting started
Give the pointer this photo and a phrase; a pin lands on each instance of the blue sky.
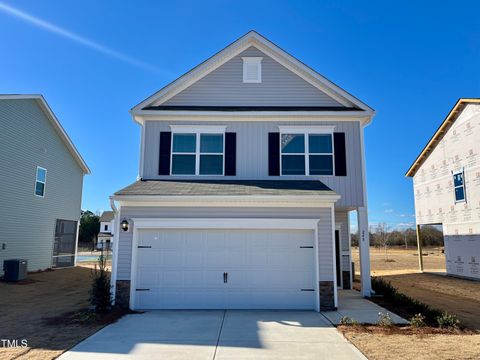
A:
(94, 60)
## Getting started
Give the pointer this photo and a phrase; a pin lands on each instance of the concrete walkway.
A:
(352, 304)
(217, 334)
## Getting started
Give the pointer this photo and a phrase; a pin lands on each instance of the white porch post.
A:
(364, 248)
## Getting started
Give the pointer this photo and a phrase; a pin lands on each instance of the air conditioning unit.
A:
(14, 270)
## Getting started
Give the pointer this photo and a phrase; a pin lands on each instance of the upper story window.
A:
(252, 69)
(105, 228)
(459, 186)
(197, 151)
(306, 151)
(40, 181)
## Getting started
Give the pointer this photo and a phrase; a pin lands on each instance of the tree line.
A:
(382, 236)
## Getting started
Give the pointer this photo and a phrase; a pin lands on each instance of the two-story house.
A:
(446, 183)
(249, 166)
(41, 181)
(105, 235)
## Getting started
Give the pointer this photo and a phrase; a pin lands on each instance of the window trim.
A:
(42, 182)
(463, 186)
(198, 131)
(247, 60)
(306, 132)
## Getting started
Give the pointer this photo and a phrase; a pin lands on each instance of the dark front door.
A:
(337, 257)
(65, 243)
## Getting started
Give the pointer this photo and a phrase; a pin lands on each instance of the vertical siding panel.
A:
(252, 154)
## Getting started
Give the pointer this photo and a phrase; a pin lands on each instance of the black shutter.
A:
(230, 154)
(165, 150)
(340, 154)
(274, 154)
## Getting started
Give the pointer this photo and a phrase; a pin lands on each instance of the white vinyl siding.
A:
(28, 140)
(252, 154)
(225, 87)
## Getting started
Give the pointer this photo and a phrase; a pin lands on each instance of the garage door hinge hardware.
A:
(307, 290)
(306, 247)
(142, 289)
(144, 247)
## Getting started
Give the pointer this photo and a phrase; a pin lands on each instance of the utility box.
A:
(15, 269)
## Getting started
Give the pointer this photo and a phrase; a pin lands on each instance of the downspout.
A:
(113, 276)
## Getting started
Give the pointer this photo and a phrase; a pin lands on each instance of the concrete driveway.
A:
(217, 334)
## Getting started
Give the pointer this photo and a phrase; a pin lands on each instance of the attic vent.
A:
(252, 69)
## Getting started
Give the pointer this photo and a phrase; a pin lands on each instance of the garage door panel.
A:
(172, 240)
(171, 258)
(215, 257)
(148, 279)
(194, 258)
(266, 269)
(147, 258)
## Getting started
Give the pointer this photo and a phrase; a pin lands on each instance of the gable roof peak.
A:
(253, 38)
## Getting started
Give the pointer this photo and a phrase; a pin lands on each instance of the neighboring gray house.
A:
(41, 182)
(106, 230)
(249, 166)
(446, 182)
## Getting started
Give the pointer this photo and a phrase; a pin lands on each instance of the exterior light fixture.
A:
(124, 225)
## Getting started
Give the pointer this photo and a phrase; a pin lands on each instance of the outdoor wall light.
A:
(124, 225)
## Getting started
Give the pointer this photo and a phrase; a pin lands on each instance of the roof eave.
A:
(320, 200)
(438, 135)
(252, 38)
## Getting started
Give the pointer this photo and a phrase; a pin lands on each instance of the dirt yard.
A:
(401, 261)
(413, 345)
(41, 310)
(457, 296)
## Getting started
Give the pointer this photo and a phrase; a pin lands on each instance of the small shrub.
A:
(384, 320)
(100, 295)
(446, 320)
(382, 287)
(418, 321)
(348, 321)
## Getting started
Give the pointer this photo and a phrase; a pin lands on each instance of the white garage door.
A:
(225, 269)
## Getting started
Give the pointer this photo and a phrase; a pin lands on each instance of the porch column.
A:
(364, 249)
(419, 246)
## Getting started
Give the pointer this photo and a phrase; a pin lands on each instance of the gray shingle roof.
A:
(226, 188)
(106, 216)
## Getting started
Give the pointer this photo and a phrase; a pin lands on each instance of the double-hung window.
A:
(459, 186)
(197, 152)
(306, 151)
(40, 181)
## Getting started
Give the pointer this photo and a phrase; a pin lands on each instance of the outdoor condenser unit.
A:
(14, 269)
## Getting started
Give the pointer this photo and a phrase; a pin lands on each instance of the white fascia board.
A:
(56, 125)
(142, 115)
(212, 129)
(314, 201)
(307, 129)
(253, 39)
(225, 223)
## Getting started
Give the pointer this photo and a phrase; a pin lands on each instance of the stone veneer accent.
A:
(122, 295)
(346, 280)
(327, 295)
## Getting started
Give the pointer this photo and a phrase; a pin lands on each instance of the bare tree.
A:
(382, 237)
